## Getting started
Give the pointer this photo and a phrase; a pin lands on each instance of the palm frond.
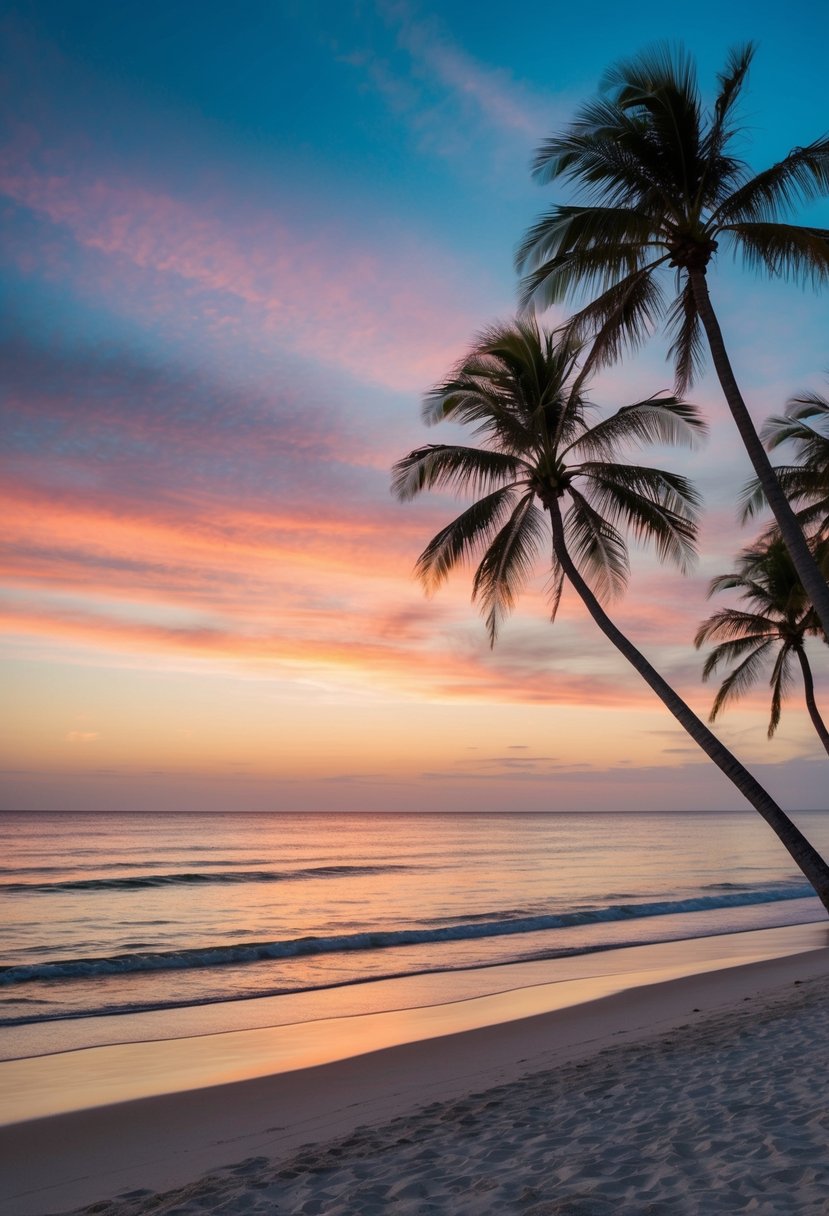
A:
(555, 587)
(660, 68)
(812, 627)
(454, 468)
(738, 580)
(801, 176)
(779, 428)
(807, 405)
(657, 507)
(786, 251)
(767, 580)
(731, 80)
(577, 273)
(806, 425)
(805, 489)
(740, 680)
(655, 420)
(461, 539)
(605, 150)
(620, 319)
(796, 481)
(619, 234)
(733, 627)
(782, 616)
(534, 373)
(781, 682)
(752, 498)
(733, 652)
(659, 86)
(816, 518)
(499, 386)
(667, 489)
(687, 349)
(723, 173)
(479, 396)
(597, 546)
(507, 564)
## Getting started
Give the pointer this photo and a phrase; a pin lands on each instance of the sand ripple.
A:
(726, 1115)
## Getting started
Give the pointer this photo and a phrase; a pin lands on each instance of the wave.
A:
(128, 865)
(137, 882)
(237, 953)
(54, 1014)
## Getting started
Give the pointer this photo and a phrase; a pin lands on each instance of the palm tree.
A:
(542, 465)
(664, 189)
(778, 618)
(806, 484)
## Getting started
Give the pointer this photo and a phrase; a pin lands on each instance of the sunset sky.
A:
(239, 243)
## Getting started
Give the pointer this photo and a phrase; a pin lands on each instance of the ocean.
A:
(106, 916)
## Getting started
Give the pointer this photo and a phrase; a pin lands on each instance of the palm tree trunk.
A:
(811, 703)
(810, 576)
(806, 857)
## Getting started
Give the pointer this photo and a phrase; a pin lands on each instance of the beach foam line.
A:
(50, 1165)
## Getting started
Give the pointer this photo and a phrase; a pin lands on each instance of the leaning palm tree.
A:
(542, 471)
(805, 425)
(663, 189)
(774, 625)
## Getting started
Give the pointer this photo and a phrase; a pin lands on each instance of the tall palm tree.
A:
(805, 425)
(543, 471)
(776, 623)
(663, 189)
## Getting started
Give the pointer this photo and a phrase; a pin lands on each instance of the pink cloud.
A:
(499, 98)
(329, 597)
(386, 662)
(395, 317)
(274, 591)
(71, 538)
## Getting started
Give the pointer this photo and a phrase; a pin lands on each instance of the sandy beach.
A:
(699, 1094)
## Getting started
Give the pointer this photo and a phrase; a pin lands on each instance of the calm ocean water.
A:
(114, 914)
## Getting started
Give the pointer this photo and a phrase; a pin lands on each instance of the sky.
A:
(239, 242)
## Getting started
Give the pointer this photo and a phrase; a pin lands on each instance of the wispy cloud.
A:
(499, 99)
(457, 107)
(394, 317)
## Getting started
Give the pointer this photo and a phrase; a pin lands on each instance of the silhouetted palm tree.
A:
(663, 189)
(544, 472)
(805, 425)
(775, 626)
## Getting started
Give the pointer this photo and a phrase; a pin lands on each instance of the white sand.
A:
(698, 1096)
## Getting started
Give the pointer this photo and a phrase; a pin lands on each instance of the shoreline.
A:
(569, 979)
(158, 1142)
